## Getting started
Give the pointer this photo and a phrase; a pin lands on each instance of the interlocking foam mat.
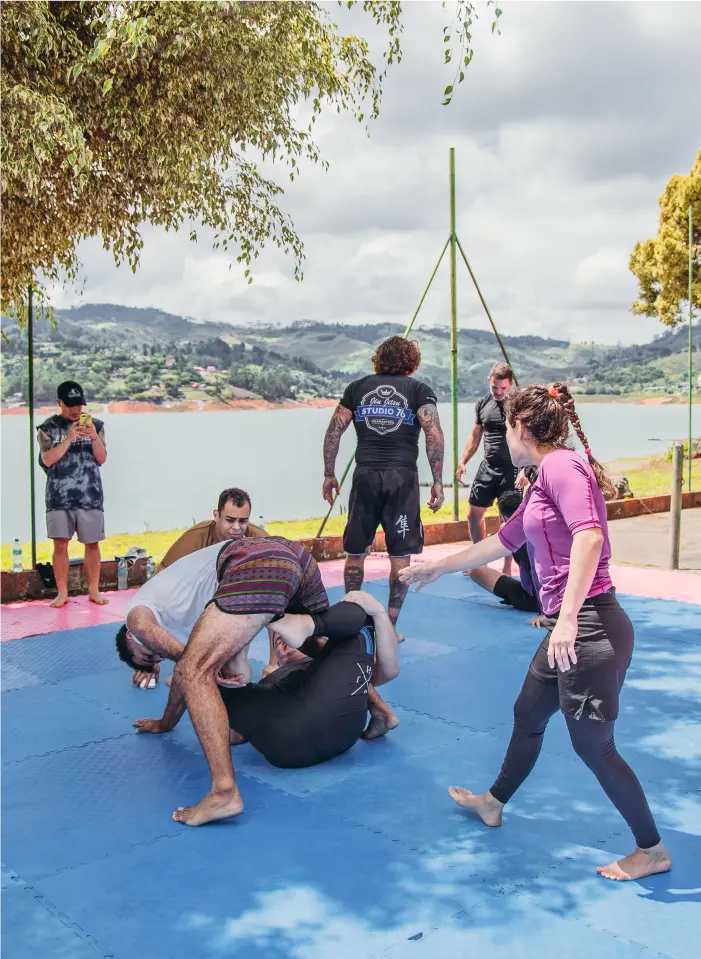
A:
(366, 855)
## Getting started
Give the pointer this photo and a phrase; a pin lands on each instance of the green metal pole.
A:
(691, 341)
(30, 402)
(486, 309)
(454, 333)
(407, 331)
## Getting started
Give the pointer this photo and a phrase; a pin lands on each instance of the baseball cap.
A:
(71, 393)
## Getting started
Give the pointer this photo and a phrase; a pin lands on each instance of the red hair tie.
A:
(553, 392)
(587, 451)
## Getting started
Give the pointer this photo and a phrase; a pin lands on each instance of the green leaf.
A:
(448, 89)
(107, 85)
(77, 70)
(461, 77)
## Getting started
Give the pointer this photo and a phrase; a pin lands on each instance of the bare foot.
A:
(98, 599)
(60, 600)
(210, 809)
(486, 806)
(641, 863)
(169, 681)
(380, 725)
(400, 637)
(236, 739)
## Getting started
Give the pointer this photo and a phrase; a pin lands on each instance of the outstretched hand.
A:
(420, 573)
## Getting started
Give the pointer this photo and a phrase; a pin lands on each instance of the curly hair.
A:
(547, 413)
(397, 355)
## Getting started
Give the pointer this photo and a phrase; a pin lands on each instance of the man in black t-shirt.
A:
(496, 473)
(389, 409)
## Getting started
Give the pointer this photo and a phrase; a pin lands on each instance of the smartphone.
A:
(85, 419)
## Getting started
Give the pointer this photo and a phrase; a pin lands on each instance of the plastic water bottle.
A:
(261, 523)
(16, 557)
(122, 573)
(150, 567)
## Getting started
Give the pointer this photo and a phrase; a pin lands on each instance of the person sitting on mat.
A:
(521, 593)
(580, 666)
(314, 706)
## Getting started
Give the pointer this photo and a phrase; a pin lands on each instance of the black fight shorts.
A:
(389, 498)
(489, 483)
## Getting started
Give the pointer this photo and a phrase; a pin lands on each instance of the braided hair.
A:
(547, 413)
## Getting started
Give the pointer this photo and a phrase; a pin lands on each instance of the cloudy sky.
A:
(566, 130)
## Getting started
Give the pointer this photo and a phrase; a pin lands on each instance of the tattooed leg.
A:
(354, 573)
(397, 589)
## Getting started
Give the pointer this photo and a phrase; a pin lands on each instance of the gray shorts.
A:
(88, 523)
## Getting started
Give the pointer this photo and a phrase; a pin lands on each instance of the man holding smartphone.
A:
(73, 449)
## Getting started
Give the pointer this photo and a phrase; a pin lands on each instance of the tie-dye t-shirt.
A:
(564, 500)
(74, 482)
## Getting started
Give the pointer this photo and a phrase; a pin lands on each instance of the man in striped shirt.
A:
(258, 581)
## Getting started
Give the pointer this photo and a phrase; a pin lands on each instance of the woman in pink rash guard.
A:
(581, 664)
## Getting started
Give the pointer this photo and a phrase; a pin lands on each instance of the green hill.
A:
(120, 352)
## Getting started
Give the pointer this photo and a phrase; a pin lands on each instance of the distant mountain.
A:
(126, 353)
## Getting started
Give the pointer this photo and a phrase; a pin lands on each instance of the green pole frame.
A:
(407, 331)
(486, 310)
(691, 340)
(454, 333)
(30, 402)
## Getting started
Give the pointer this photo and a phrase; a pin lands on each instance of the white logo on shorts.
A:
(403, 525)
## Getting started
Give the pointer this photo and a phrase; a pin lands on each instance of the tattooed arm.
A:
(431, 425)
(340, 421)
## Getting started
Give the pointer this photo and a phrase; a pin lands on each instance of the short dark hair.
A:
(239, 497)
(125, 653)
(509, 502)
(397, 355)
(502, 371)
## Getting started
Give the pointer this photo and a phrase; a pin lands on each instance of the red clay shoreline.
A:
(186, 406)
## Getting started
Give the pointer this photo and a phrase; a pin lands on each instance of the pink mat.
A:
(20, 620)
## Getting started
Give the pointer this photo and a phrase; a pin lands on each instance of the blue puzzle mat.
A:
(363, 856)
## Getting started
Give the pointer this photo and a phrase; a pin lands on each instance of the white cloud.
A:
(566, 130)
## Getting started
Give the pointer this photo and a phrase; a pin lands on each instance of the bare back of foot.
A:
(380, 724)
(60, 601)
(486, 806)
(210, 809)
(641, 863)
(98, 599)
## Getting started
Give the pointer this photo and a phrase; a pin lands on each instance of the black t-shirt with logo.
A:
(490, 415)
(384, 411)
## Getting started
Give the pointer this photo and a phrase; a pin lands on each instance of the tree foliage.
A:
(117, 113)
(662, 265)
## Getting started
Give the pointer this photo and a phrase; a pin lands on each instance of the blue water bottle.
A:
(150, 567)
(16, 557)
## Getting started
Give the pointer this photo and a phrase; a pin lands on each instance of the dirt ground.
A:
(645, 541)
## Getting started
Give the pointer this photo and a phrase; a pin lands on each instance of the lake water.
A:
(165, 470)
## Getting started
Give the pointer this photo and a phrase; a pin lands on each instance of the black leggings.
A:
(593, 742)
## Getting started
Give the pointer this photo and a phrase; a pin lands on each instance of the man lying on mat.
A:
(258, 581)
